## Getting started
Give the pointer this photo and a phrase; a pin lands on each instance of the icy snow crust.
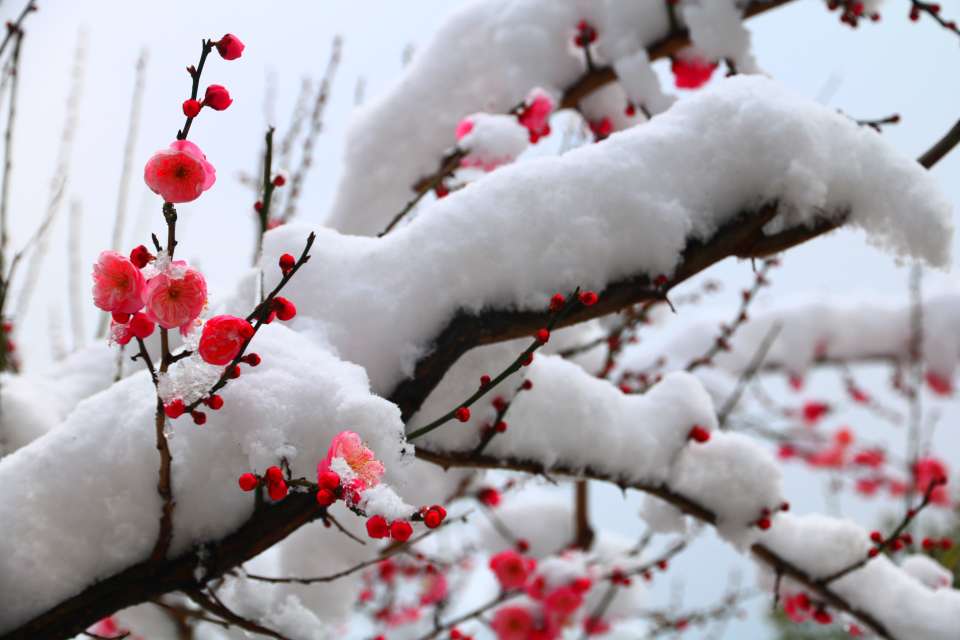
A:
(622, 207)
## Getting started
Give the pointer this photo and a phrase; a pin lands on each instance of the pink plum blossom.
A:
(117, 283)
(513, 622)
(175, 299)
(180, 173)
(348, 446)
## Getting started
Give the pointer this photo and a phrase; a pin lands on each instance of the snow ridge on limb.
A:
(401, 137)
(671, 197)
(645, 443)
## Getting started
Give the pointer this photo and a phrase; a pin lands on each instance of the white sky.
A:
(895, 66)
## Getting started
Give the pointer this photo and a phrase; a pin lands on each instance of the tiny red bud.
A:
(699, 434)
(287, 262)
(285, 309)
(588, 298)
(191, 108)
(248, 482)
(764, 523)
(258, 206)
(251, 359)
(274, 474)
(235, 372)
(543, 335)
(462, 414)
(557, 302)
(229, 47)
(400, 530)
(522, 545)
(328, 479)
(215, 402)
(217, 97)
(279, 180)
(484, 380)
(140, 326)
(174, 409)
(325, 497)
(199, 417)
(876, 536)
(527, 359)
(140, 256)
(527, 385)
(501, 427)
(277, 490)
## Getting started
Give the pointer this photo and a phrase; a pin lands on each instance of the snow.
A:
(101, 485)
(858, 328)
(822, 545)
(472, 249)
(927, 570)
(492, 140)
(640, 82)
(718, 33)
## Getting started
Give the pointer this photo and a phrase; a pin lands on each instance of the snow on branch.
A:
(744, 169)
(397, 140)
(574, 424)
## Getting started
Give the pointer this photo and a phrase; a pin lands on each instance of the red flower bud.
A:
(325, 497)
(462, 414)
(557, 302)
(328, 479)
(217, 97)
(248, 482)
(140, 326)
(140, 256)
(277, 490)
(199, 417)
(588, 298)
(543, 335)
(274, 474)
(174, 409)
(699, 434)
(287, 262)
(284, 308)
(251, 359)
(279, 180)
(377, 527)
(229, 47)
(120, 317)
(191, 108)
(400, 530)
(215, 402)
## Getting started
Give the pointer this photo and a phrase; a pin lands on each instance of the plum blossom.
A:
(180, 173)
(229, 47)
(512, 569)
(222, 338)
(535, 116)
(513, 622)
(349, 447)
(117, 283)
(176, 297)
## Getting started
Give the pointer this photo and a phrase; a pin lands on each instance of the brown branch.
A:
(213, 604)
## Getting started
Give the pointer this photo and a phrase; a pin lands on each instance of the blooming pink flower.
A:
(512, 569)
(692, 72)
(361, 460)
(797, 607)
(117, 283)
(229, 47)
(180, 173)
(563, 601)
(435, 589)
(222, 338)
(175, 301)
(512, 623)
(928, 470)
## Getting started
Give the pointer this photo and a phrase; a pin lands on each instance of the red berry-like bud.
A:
(248, 482)
(287, 262)
(217, 97)
(822, 617)
(215, 402)
(325, 497)
(874, 552)
(876, 536)
(946, 544)
(258, 206)
(229, 47)
(432, 519)
(489, 497)
(896, 545)
(484, 380)
(763, 523)
(630, 110)
(174, 409)
(140, 256)
(527, 359)
(660, 280)
(588, 298)
(277, 490)
(543, 335)
(500, 427)
(274, 474)
(527, 385)
(199, 417)
(279, 180)
(557, 302)
(235, 372)
(284, 308)
(119, 317)
(377, 527)
(191, 108)
(699, 434)
(328, 479)
(140, 326)
(251, 359)
(928, 544)
(522, 545)
(462, 414)
(400, 530)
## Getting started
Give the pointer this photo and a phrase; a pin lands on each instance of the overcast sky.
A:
(892, 67)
